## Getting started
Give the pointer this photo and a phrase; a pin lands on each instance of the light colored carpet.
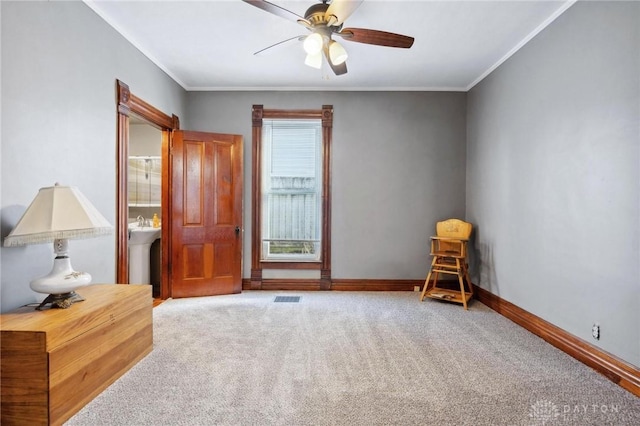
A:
(352, 358)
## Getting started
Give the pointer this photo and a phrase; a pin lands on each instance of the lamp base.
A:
(62, 301)
(62, 279)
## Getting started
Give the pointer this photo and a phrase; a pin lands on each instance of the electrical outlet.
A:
(416, 288)
(595, 331)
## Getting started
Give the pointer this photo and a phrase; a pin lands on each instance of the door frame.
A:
(127, 104)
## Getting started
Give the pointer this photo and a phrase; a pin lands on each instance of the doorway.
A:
(145, 203)
(201, 169)
(130, 107)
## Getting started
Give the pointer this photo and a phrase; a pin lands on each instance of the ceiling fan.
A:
(325, 20)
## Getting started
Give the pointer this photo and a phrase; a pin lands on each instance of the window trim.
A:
(324, 264)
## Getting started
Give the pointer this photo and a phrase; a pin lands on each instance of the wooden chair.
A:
(449, 251)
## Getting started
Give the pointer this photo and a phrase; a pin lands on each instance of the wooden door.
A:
(206, 214)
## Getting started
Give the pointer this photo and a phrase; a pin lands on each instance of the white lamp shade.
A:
(314, 61)
(337, 53)
(58, 212)
(313, 44)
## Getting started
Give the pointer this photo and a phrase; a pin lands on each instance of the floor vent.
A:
(287, 299)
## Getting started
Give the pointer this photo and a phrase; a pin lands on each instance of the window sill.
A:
(278, 264)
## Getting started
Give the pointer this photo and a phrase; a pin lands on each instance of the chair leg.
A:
(436, 275)
(461, 281)
(426, 286)
(466, 275)
(426, 282)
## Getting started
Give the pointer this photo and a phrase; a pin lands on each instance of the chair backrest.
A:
(451, 239)
(454, 228)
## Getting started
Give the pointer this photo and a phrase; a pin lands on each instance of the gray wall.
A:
(552, 160)
(60, 62)
(553, 177)
(398, 167)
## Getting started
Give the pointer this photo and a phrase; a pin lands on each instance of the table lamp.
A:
(59, 213)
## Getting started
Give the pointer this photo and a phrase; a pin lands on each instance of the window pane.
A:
(292, 190)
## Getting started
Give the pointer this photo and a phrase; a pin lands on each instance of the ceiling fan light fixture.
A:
(314, 61)
(337, 53)
(324, 20)
(313, 44)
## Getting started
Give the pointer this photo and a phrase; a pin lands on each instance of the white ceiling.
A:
(209, 45)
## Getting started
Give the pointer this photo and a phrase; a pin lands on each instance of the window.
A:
(291, 198)
(291, 190)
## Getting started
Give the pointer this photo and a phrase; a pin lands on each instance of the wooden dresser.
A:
(55, 361)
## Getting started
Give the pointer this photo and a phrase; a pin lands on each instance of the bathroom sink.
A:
(143, 235)
(140, 240)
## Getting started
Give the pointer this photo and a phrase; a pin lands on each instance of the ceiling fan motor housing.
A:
(316, 14)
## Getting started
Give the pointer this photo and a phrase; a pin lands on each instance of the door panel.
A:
(224, 186)
(206, 209)
(194, 159)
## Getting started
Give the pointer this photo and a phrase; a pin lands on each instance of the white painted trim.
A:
(523, 42)
(325, 89)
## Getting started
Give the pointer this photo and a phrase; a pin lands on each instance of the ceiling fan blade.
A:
(276, 10)
(379, 38)
(340, 10)
(337, 69)
(301, 37)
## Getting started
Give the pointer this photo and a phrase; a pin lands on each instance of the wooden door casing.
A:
(206, 214)
(128, 104)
